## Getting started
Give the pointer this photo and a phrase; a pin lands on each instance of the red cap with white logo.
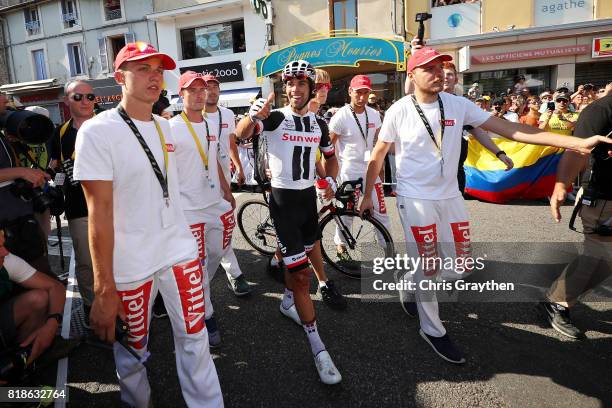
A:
(423, 56)
(361, 82)
(188, 77)
(210, 78)
(141, 50)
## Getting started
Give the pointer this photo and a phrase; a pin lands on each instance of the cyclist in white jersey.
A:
(293, 135)
(330, 294)
(354, 130)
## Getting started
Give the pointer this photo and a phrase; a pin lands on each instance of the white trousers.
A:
(213, 227)
(434, 228)
(379, 207)
(183, 294)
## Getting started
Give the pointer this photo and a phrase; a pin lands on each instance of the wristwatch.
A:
(499, 153)
(56, 316)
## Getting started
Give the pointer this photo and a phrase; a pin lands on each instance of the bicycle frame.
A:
(349, 200)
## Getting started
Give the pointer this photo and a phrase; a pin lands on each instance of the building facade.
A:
(222, 37)
(52, 42)
(553, 43)
(344, 37)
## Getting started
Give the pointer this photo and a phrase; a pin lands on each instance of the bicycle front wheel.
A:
(256, 226)
(364, 240)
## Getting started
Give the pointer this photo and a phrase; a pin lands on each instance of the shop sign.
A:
(108, 92)
(230, 71)
(457, 20)
(38, 97)
(336, 51)
(602, 47)
(530, 54)
(554, 12)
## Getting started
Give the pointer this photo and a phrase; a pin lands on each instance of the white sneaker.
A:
(291, 313)
(328, 372)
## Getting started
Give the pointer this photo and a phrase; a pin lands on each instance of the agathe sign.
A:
(602, 47)
(336, 51)
(530, 54)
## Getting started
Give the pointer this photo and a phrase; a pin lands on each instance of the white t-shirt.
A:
(352, 150)
(199, 188)
(228, 127)
(106, 149)
(418, 164)
(18, 270)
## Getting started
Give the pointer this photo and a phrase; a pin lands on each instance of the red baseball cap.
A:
(210, 78)
(188, 77)
(424, 55)
(361, 82)
(141, 50)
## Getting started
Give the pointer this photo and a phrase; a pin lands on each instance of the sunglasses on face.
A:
(561, 101)
(78, 97)
(322, 86)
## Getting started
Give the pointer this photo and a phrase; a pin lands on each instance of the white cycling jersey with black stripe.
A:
(292, 141)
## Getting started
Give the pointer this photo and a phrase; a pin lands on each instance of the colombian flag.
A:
(533, 175)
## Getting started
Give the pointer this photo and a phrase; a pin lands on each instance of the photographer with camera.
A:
(21, 190)
(29, 320)
(594, 204)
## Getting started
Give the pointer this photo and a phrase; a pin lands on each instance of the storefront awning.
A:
(232, 98)
(23, 87)
(346, 50)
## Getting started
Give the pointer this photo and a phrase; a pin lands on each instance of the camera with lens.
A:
(48, 196)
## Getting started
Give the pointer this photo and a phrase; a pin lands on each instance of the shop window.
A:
(112, 10)
(32, 20)
(70, 15)
(502, 81)
(343, 15)
(212, 40)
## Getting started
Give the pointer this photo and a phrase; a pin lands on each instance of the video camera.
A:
(421, 18)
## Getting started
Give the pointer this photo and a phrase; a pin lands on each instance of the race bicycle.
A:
(363, 238)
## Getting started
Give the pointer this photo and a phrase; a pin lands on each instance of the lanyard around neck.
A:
(197, 141)
(428, 126)
(363, 134)
(163, 181)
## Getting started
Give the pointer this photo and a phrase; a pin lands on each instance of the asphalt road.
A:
(265, 360)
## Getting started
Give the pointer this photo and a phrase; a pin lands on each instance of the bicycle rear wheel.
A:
(371, 240)
(256, 226)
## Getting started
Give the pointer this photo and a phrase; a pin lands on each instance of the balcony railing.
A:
(113, 14)
(33, 27)
(70, 18)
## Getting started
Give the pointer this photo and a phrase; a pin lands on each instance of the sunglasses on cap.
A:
(323, 86)
(78, 97)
